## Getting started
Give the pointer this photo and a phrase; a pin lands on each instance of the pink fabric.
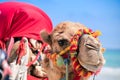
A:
(19, 19)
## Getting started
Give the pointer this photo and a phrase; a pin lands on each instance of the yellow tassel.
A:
(103, 50)
(88, 74)
(77, 67)
(81, 73)
(86, 30)
(53, 56)
(74, 42)
(79, 32)
(74, 61)
(64, 51)
(96, 33)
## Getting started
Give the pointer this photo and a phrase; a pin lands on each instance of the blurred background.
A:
(103, 15)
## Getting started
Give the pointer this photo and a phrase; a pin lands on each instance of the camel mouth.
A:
(90, 56)
(92, 47)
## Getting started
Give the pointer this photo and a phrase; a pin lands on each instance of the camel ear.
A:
(46, 37)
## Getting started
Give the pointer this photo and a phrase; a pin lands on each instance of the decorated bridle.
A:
(73, 51)
(59, 59)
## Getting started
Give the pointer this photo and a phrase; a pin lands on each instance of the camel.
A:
(88, 54)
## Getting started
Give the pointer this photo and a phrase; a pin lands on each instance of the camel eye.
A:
(62, 42)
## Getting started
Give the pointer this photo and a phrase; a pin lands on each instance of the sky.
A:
(103, 15)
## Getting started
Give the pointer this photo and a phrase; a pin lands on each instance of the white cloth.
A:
(19, 72)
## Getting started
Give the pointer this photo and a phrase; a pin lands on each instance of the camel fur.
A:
(90, 53)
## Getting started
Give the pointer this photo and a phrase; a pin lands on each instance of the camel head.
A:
(89, 52)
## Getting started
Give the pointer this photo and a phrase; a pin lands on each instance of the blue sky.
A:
(103, 15)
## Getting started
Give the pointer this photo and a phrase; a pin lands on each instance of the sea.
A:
(111, 69)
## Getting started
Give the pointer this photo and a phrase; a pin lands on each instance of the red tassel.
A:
(21, 51)
(73, 48)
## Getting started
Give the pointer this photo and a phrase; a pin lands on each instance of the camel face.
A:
(90, 54)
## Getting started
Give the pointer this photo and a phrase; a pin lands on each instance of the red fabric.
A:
(19, 19)
(30, 77)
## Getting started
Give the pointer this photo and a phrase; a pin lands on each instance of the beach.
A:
(108, 74)
(111, 69)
